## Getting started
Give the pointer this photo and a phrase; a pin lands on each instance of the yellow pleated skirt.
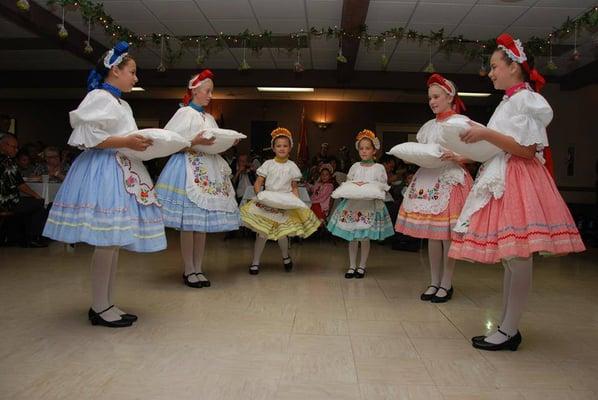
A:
(275, 223)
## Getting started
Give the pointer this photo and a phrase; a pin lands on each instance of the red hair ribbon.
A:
(195, 82)
(514, 50)
(450, 88)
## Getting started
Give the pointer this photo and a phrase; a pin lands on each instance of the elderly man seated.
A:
(28, 210)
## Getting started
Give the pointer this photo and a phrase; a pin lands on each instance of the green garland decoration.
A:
(211, 44)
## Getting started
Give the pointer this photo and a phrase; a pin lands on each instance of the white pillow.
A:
(225, 138)
(165, 143)
(425, 155)
(480, 151)
(361, 191)
(285, 201)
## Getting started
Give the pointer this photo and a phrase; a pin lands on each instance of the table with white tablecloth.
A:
(46, 190)
(250, 194)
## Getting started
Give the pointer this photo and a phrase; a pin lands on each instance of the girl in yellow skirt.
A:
(279, 175)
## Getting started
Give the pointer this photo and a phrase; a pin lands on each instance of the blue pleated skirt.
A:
(92, 206)
(183, 214)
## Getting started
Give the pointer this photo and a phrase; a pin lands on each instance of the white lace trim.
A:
(522, 56)
(489, 183)
(452, 174)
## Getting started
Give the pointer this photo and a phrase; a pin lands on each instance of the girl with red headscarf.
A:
(194, 188)
(435, 196)
(514, 209)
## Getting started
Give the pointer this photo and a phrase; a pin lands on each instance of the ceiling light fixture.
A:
(138, 89)
(473, 94)
(284, 89)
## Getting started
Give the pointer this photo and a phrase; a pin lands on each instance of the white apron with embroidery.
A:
(137, 180)
(357, 214)
(207, 182)
(430, 190)
(360, 214)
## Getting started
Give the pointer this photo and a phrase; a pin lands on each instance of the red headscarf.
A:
(450, 89)
(195, 82)
(514, 50)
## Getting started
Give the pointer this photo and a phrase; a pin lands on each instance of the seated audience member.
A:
(27, 210)
(34, 149)
(322, 156)
(344, 159)
(243, 175)
(320, 193)
(24, 163)
(390, 165)
(51, 165)
(255, 160)
(68, 155)
(339, 176)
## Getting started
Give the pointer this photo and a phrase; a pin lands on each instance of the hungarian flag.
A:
(302, 152)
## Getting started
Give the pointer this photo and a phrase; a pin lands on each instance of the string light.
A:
(94, 12)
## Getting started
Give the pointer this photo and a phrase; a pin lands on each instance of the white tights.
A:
(517, 285)
(193, 245)
(365, 252)
(103, 276)
(260, 243)
(442, 267)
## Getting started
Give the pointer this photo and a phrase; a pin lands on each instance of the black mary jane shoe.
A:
(350, 274)
(359, 273)
(186, 281)
(96, 319)
(127, 317)
(254, 269)
(512, 343)
(428, 297)
(288, 266)
(205, 283)
(443, 299)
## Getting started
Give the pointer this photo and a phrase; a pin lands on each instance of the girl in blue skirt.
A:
(195, 189)
(107, 199)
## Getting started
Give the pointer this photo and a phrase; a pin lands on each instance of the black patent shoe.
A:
(205, 283)
(360, 273)
(288, 267)
(254, 269)
(428, 297)
(443, 299)
(189, 283)
(512, 343)
(350, 274)
(127, 317)
(96, 319)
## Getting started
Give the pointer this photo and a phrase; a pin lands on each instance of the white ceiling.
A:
(475, 19)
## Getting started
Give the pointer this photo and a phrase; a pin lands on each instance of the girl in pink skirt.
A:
(435, 196)
(514, 209)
